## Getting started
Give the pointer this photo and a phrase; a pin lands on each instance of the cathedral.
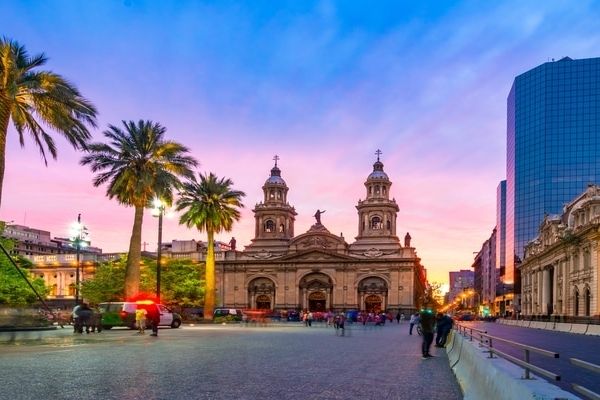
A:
(318, 270)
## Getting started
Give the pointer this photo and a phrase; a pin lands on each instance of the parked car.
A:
(122, 313)
(230, 314)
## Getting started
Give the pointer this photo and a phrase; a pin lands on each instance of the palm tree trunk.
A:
(4, 120)
(132, 271)
(209, 295)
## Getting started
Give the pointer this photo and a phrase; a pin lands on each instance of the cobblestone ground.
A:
(226, 362)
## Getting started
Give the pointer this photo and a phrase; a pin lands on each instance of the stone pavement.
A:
(286, 361)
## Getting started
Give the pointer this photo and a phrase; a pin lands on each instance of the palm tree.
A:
(212, 206)
(139, 165)
(31, 98)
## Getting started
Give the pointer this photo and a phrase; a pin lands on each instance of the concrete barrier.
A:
(562, 327)
(494, 378)
(538, 324)
(579, 328)
(593, 330)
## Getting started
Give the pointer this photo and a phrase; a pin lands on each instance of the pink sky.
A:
(322, 86)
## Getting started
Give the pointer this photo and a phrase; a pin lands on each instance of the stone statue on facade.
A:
(318, 216)
(407, 240)
(232, 244)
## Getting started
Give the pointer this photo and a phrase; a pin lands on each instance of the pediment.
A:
(316, 255)
(319, 239)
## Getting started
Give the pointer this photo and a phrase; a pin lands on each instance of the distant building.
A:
(553, 149)
(55, 260)
(561, 269)
(460, 281)
(32, 241)
(486, 276)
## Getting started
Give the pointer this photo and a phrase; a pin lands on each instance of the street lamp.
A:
(158, 211)
(78, 233)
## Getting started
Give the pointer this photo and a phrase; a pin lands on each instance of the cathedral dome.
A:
(275, 178)
(378, 172)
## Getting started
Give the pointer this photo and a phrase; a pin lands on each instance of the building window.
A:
(377, 189)
(281, 228)
(269, 226)
(376, 223)
(587, 259)
(271, 195)
(587, 299)
(389, 224)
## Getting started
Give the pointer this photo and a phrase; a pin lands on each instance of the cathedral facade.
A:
(318, 270)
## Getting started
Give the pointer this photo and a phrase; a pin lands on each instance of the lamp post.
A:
(77, 233)
(158, 211)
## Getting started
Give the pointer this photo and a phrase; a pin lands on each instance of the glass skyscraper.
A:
(553, 146)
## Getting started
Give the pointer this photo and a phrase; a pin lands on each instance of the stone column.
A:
(554, 288)
(545, 290)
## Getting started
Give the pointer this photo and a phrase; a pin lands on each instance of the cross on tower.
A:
(276, 158)
(378, 153)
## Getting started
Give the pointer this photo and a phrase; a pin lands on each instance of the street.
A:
(566, 344)
(286, 361)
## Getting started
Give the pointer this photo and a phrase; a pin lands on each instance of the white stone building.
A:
(560, 271)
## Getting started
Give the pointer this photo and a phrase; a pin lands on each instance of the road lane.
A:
(566, 344)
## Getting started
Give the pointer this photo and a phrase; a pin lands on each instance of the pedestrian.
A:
(140, 319)
(153, 316)
(75, 318)
(414, 319)
(443, 327)
(84, 315)
(398, 317)
(427, 322)
(95, 320)
(309, 318)
(340, 323)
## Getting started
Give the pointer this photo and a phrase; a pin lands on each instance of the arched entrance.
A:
(263, 302)
(261, 292)
(315, 292)
(373, 303)
(373, 292)
(317, 301)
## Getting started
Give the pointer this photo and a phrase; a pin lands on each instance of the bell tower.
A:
(377, 213)
(274, 216)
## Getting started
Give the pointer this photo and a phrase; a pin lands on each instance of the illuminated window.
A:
(281, 228)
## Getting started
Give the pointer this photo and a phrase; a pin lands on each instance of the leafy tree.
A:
(14, 290)
(32, 98)
(211, 206)
(138, 164)
(181, 282)
(108, 283)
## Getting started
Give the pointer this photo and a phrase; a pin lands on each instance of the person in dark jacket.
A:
(153, 316)
(427, 321)
(443, 327)
(84, 315)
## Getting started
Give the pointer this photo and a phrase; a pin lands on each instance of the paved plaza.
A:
(286, 361)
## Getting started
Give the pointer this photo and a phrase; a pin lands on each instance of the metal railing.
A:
(590, 367)
(488, 341)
